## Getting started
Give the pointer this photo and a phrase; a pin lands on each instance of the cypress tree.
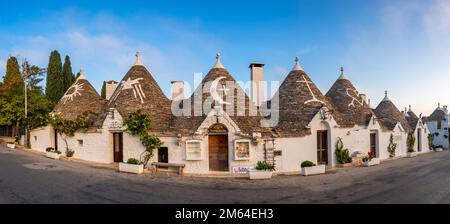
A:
(55, 80)
(104, 90)
(12, 81)
(69, 77)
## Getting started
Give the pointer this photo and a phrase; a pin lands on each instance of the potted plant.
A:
(392, 146)
(263, 170)
(132, 166)
(52, 153)
(438, 148)
(69, 153)
(370, 160)
(342, 155)
(410, 145)
(309, 168)
(11, 145)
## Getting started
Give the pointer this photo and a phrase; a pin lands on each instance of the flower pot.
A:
(314, 170)
(11, 146)
(372, 162)
(52, 155)
(411, 154)
(259, 174)
(131, 168)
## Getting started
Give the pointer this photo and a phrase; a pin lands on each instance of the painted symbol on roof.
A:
(214, 91)
(358, 99)
(134, 85)
(72, 92)
(314, 98)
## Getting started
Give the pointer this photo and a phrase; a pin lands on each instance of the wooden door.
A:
(118, 147)
(163, 155)
(55, 135)
(419, 140)
(373, 143)
(322, 147)
(218, 153)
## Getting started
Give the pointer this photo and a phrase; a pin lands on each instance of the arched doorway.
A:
(218, 148)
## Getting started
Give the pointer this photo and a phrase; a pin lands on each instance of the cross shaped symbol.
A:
(314, 98)
(224, 90)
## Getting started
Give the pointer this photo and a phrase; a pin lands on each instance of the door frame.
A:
(120, 159)
(327, 150)
(55, 138)
(419, 140)
(228, 152)
(377, 154)
(167, 150)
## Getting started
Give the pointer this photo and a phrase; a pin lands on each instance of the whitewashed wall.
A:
(41, 138)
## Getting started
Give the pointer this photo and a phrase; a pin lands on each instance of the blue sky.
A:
(402, 46)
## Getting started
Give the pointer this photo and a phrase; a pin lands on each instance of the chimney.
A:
(177, 90)
(111, 86)
(257, 78)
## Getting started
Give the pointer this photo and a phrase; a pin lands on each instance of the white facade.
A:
(440, 131)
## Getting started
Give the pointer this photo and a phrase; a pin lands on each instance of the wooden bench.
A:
(168, 165)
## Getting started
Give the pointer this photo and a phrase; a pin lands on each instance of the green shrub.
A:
(430, 141)
(410, 140)
(264, 166)
(392, 146)
(342, 155)
(307, 163)
(133, 161)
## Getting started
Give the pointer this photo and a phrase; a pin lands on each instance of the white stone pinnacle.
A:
(218, 64)
(81, 74)
(297, 66)
(138, 58)
(342, 74)
(386, 96)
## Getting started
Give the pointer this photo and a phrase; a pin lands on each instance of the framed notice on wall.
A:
(193, 150)
(242, 149)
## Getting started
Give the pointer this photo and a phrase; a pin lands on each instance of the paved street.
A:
(31, 178)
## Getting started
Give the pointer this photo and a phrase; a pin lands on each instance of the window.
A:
(439, 124)
(193, 150)
(242, 150)
(35, 138)
(80, 143)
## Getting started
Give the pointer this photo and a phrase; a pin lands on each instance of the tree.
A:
(55, 80)
(139, 124)
(12, 97)
(68, 128)
(12, 81)
(104, 90)
(410, 140)
(69, 77)
(392, 146)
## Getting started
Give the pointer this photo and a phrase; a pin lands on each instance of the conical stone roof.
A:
(219, 84)
(299, 101)
(79, 98)
(389, 115)
(349, 103)
(138, 90)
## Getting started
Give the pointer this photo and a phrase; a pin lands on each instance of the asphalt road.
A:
(31, 178)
